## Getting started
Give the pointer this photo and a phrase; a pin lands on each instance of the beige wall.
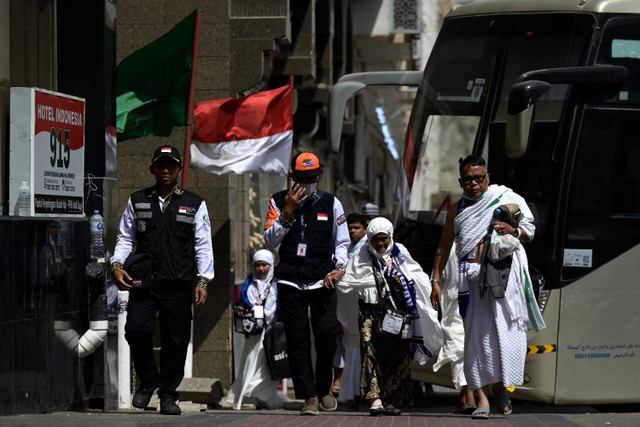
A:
(138, 23)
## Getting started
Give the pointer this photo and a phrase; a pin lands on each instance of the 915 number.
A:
(60, 152)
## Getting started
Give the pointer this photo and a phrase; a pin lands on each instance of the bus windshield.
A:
(461, 104)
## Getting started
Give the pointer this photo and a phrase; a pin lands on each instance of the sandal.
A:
(376, 410)
(467, 409)
(480, 414)
(504, 402)
(392, 410)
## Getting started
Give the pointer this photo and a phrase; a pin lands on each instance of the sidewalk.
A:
(434, 410)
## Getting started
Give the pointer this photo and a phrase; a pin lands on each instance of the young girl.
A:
(254, 383)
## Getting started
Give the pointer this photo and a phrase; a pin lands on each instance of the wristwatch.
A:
(116, 266)
(340, 266)
(202, 283)
(286, 223)
(516, 232)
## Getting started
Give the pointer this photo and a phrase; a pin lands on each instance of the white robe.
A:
(495, 329)
(352, 365)
(452, 350)
(254, 377)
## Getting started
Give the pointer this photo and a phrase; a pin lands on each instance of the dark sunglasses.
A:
(477, 178)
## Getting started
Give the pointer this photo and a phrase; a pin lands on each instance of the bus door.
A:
(598, 339)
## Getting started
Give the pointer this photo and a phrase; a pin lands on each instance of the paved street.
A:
(435, 411)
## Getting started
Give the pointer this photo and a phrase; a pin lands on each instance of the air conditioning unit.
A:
(405, 17)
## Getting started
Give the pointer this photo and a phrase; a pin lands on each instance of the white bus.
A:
(548, 91)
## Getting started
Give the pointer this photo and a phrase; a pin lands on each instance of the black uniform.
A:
(170, 290)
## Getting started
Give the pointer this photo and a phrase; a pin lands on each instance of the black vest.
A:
(317, 216)
(174, 251)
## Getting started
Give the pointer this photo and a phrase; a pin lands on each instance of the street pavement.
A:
(434, 410)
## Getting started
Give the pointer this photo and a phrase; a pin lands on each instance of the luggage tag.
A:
(258, 311)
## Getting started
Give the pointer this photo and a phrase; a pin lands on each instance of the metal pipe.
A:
(124, 356)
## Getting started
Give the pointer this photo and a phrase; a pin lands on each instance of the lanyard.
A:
(381, 282)
(303, 228)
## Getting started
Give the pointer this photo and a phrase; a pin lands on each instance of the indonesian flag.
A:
(252, 134)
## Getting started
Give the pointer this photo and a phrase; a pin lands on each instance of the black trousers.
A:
(294, 308)
(173, 303)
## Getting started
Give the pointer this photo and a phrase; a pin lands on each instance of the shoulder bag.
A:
(392, 322)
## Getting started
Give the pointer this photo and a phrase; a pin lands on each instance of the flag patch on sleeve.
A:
(341, 219)
(323, 217)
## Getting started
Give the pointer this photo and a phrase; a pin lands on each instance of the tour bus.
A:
(548, 91)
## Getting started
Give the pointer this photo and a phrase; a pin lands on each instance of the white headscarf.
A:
(257, 292)
(376, 226)
(264, 255)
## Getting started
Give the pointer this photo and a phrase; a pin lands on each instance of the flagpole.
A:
(192, 87)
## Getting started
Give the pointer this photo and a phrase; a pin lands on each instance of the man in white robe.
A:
(349, 389)
(495, 327)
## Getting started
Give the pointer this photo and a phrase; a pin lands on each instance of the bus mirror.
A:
(350, 84)
(520, 113)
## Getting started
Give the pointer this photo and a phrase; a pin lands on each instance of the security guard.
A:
(172, 226)
(310, 227)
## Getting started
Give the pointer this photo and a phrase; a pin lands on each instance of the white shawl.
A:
(471, 225)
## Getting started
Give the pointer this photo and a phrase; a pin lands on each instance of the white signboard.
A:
(47, 150)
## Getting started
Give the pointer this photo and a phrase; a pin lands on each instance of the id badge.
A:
(302, 249)
(392, 324)
(258, 312)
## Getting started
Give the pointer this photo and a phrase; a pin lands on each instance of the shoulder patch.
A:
(341, 219)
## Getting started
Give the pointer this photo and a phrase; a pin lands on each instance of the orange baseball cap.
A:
(305, 164)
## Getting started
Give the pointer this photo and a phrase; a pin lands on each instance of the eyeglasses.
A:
(477, 178)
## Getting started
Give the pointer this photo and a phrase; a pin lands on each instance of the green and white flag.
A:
(152, 84)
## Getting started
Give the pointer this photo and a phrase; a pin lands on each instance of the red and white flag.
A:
(252, 134)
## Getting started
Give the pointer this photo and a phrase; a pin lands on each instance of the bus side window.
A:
(604, 202)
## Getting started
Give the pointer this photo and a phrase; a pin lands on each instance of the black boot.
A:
(143, 395)
(168, 407)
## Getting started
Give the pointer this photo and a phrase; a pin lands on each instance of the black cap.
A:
(167, 151)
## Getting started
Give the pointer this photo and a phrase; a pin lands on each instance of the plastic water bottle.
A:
(64, 239)
(24, 200)
(96, 227)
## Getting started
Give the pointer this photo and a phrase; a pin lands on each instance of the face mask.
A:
(310, 189)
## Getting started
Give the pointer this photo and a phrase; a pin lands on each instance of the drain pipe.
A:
(83, 346)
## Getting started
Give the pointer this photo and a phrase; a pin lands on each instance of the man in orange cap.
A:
(310, 227)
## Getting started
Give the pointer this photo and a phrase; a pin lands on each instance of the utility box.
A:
(46, 139)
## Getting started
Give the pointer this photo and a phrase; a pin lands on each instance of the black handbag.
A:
(394, 323)
(275, 348)
(247, 323)
(140, 268)
(391, 322)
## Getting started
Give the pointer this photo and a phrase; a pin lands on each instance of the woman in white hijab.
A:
(383, 273)
(253, 383)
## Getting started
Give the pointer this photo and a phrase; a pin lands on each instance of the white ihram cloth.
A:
(350, 384)
(495, 329)
(452, 350)
(254, 382)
